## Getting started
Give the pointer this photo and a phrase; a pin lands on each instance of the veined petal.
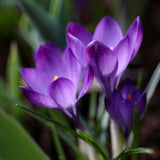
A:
(37, 79)
(126, 108)
(124, 54)
(48, 59)
(77, 48)
(108, 32)
(127, 88)
(101, 58)
(71, 66)
(63, 92)
(87, 81)
(135, 34)
(49, 47)
(114, 112)
(38, 98)
(79, 32)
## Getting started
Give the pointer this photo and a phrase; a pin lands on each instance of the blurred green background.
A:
(26, 24)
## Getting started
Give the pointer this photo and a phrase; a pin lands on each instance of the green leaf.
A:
(95, 144)
(135, 141)
(61, 11)
(153, 83)
(15, 143)
(139, 80)
(13, 78)
(43, 22)
(84, 136)
(57, 143)
(2, 85)
(72, 144)
(135, 128)
(126, 153)
(120, 155)
(139, 150)
(13, 72)
(9, 17)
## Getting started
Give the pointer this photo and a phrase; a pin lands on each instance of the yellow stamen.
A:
(55, 78)
(111, 48)
(129, 96)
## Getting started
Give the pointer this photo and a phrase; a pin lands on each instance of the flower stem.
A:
(57, 143)
(115, 139)
(86, 149)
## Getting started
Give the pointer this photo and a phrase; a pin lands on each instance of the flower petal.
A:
(123, 53)
(126, 108)
(103, 63)
(77, 48)
(48, 59)
(72, 66)
(114, 112)
(87, 81)
(100, 57)
(128, 88)
(38, 98)
(36, 79)
(63, 92)
(135, 34)
(108, 32)
(50, 47)
(79, 32)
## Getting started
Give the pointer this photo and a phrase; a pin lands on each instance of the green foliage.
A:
(79, 134)
(13, 72)
(135, 141)
(42, 21)
(154, 80)
(129, 152)
(9, 17)
(15, 143)
(61, 11)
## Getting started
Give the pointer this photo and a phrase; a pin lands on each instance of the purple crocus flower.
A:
(107, 51)
(120, 106)
(53, 83)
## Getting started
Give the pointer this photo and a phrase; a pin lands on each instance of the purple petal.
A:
(48, 59)
(126, 108)
(108, 32)
(79, 32)
(104, 65)
(128, 88)
(38, 98)
(141, 104)
(135, 34)
(136, 94)
(71, 66)
(123, 53)
(114, 112)
(36, 79)
(87, 81)
(101, 58)
(49, 47)
(77, 48)
(63, 92)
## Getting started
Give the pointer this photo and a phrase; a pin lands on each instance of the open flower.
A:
(107, 51)
(120, 106)
(53, 83)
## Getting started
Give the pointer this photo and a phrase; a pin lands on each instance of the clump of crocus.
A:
(120, 106)
(53, 83)
(107, 51)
